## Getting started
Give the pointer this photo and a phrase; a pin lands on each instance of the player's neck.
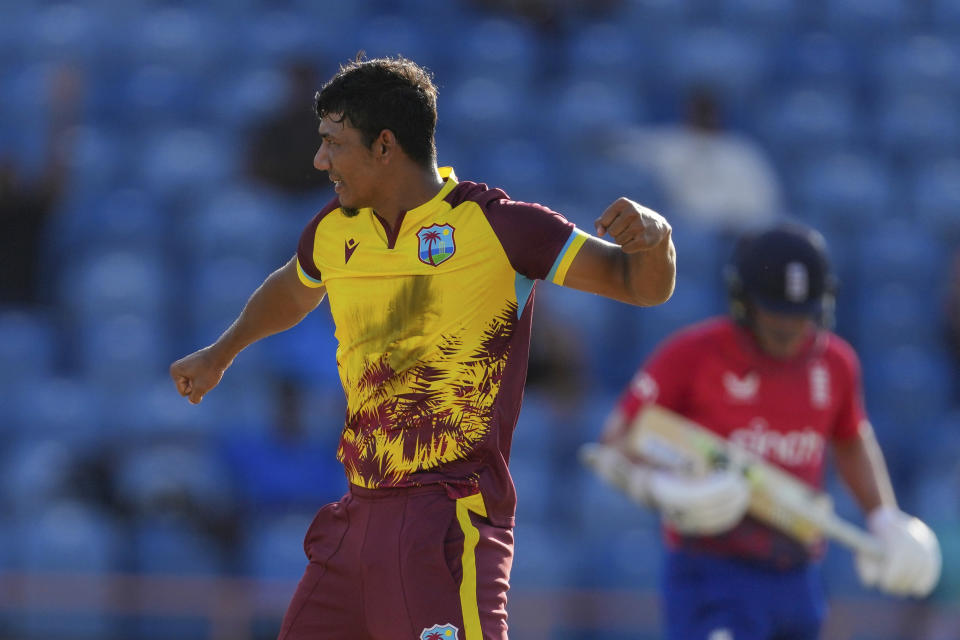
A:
(409, 188)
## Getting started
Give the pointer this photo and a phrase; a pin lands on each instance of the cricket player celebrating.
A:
(774, 381)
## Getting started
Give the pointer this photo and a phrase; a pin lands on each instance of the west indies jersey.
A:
(433, 324)
(715, 374)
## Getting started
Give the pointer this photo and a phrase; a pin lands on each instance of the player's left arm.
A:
(911, 560)
(638, 266)
(860, 463)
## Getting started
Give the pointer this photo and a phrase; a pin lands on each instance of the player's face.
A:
(348, 162)
(781, 335)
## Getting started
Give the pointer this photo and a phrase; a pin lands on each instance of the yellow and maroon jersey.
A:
(433, 323)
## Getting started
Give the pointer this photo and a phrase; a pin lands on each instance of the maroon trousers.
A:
(391, 564)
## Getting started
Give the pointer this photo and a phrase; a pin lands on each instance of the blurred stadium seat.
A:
(921, 64)
(607, 52)
(68, 409)
(846, 190)
(895, 251)
(36, 472)
(818, 59)
(171, 546)
(66, 537)
(763, 15)
(116, 282)
(868, 21)
(808, 123)
(894, 313)
(163, 479)
(730, 62)
(936, 198)
(915, 129)
(238, 222)
(185, 161)
(274, 547)
(497, 47)
(29, 345)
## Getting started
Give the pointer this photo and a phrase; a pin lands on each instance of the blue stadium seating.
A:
(36, 472)
(607, 52)
(763, 15)
(150, 479)
(936, 198)
(818, 58)
(185, 161)
(67, 537)
(238, 222)
(242, 99)
(274, 546)
(845, 190)
(497, 47)
(945, 16)
(924, 64)
(171, 546)
(116, 282)
(911, 388)
(893, 313)
(807, 123)
(915, 129)
(119, 352)
(69, 409)
(728, 61)
(29, 345)
(868, 21)
(895, 251)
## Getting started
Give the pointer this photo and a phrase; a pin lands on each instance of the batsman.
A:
(773, 380)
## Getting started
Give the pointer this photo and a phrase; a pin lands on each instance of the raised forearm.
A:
(650, 275)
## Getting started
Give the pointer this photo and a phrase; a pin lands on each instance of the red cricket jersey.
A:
(715, 374)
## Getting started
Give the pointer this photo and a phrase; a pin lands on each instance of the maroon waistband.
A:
(393, 492)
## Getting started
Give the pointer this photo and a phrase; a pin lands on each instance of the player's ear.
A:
(385, 144)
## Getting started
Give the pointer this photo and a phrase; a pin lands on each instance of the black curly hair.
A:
(385, 93)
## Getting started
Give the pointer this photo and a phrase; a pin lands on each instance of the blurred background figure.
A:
(28, 198)
(952, 313)
(158, 217)
(712, 176)
(281, 148)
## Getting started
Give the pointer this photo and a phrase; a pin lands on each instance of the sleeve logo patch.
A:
(436, 244)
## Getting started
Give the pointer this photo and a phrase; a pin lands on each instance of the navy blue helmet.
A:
(784, 269)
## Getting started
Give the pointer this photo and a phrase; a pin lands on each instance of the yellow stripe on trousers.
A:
(468, 585)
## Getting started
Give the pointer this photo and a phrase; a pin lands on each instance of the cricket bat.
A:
(777, 498)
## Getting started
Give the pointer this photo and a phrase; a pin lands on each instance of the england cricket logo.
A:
(440, 632)
(436, 244)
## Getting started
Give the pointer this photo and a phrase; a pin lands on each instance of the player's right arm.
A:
(281, 302)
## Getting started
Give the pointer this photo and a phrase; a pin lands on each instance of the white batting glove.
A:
(700, 505)
(911, 562)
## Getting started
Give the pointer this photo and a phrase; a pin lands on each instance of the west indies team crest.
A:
(436, 244)
(440, 632)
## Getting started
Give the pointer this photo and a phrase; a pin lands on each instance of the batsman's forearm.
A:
(651, 275)
(273, 307)
(861, 465)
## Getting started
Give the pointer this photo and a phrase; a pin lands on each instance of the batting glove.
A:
(700, 505)
(911, 561)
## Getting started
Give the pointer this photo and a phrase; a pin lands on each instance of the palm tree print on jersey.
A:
(432, 412)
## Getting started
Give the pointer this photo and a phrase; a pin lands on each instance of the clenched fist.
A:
(632, 226)
(197, 373)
